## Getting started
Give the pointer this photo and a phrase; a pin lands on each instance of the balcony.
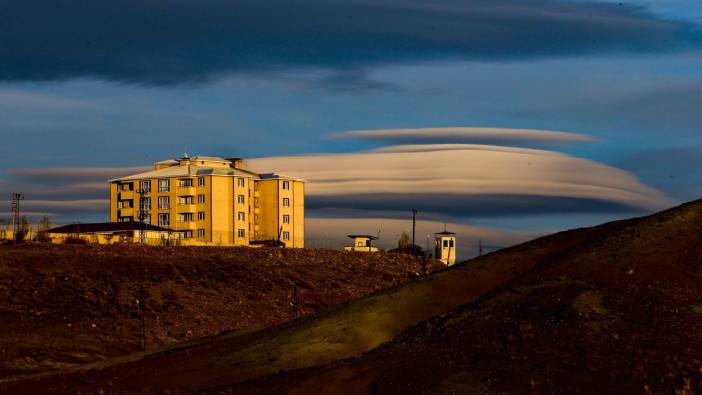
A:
(185, 225)
(125, 195)
(125, 212)
(186, 207)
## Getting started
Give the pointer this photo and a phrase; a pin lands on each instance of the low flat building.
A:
(213, 201)
(362, 243)
(114, 232)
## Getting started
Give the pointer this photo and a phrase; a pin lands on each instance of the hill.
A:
(66, 305)
(610, 309)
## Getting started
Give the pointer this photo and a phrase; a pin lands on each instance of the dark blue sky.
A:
(99, 84)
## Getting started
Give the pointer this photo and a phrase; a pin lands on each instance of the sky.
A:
(502, 120)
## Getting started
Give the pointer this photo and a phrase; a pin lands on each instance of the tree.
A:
(44, 226)
(404, 242)
(23, 229)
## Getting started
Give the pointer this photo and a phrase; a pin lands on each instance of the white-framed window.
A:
(125, 204)
(201, 199)
(286, 184)
(241, 216)
(286, 202)
(201, 181)
(188, 234)
(163, 202)
(185, 217)
(201, 216)
(286, 235)
(201, 233)
(163, 219)
(145, 186)
(186, 182)
(164, 185)
(145, 203)
(241, 199)
(241, 232)
(286, 219)
(240, 182)
(185, 200)
(146, 219)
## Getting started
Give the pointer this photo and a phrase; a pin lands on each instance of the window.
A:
(201, 199)
(286, 202)
(240, 182)
(201, 233)
(286, 235)
(241, 216)
(185, 200)
(201, 216)
(146, 219)
(164, 185)
(186, 182)
(124, 219)
(185, 217)
(163, 202)
(187, 234)
(241, 199)
(450, 243)
(163, 219)
(286, 184)
(256, 204)
(241, 233)
(125, 187)
(445, 243)
(145, 186)
(256, 218)
(201, 181)
(145, 203)
(286, 219)
(125, 204)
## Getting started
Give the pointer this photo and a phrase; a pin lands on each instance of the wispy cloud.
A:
(182, 41)
(464, 135)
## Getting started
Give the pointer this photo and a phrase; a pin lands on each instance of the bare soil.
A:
(62, 306)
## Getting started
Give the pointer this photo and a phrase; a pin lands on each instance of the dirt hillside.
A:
(610, 309)
(61, 306)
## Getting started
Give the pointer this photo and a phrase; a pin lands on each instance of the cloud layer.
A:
(464, 135)
(185, 41)
(465, 180)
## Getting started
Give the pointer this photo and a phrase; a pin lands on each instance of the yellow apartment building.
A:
(213, 201)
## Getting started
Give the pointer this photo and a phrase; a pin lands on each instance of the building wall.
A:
(298, 214)
(268, 209)
(221, 208)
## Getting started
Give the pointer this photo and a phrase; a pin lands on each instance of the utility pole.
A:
(414, 225)
(16, 198)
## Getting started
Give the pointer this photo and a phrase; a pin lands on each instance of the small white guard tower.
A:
(445, 249)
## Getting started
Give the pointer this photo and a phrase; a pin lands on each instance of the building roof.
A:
(445, 233)
(188, 171)
(107, 227)
(365, 236)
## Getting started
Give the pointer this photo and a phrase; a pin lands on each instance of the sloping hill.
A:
(62, 306)
(614, 308)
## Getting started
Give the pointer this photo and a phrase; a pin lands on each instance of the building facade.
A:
(213, 201)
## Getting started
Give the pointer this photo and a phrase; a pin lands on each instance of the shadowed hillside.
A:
(61, 306)
(615, 308)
